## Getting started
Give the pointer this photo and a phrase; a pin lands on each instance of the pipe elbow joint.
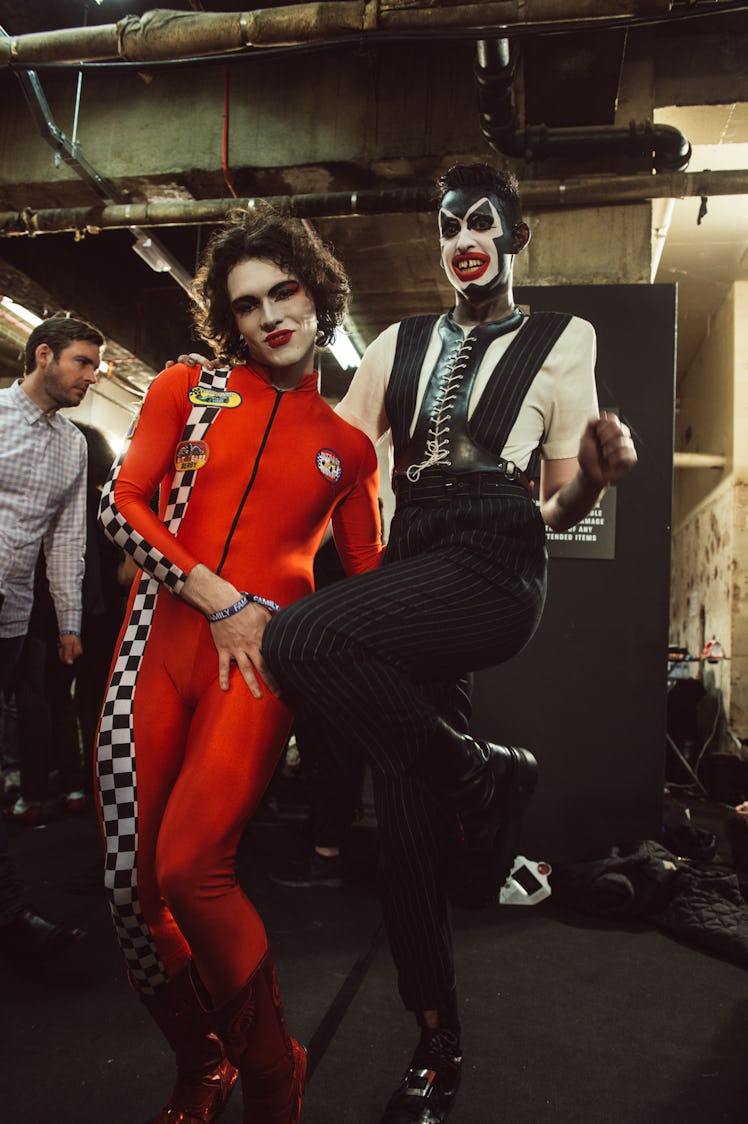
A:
(672, 152)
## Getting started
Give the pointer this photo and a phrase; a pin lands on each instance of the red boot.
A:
(205, 1076)
(252, 1027)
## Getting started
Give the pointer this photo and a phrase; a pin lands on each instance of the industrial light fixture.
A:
(160, 260)
(29, 318)
(145, 249)
(344, 351)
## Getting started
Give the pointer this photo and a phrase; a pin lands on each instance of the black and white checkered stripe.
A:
(116, 757)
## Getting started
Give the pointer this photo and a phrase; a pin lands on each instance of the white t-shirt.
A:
(561, 399)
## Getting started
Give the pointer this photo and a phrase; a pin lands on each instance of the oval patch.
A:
(328, 462)
(223, 399)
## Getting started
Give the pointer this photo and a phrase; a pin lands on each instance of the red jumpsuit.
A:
(184, 763)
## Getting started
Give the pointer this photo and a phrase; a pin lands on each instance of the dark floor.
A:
(566, 1019)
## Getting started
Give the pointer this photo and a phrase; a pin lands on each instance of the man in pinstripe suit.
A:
(472, 400)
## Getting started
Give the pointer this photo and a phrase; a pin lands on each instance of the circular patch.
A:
(328, 462)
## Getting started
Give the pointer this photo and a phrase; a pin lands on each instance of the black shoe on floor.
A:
(428, 1090)
(30, 938)
(314, 870)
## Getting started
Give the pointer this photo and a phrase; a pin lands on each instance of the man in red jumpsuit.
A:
(250, 466)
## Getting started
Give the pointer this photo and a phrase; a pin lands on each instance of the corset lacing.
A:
(437, 440)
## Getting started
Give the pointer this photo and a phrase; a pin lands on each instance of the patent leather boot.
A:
(427, 1092)
(205, 1076)
(252, 1027)
(488, 786)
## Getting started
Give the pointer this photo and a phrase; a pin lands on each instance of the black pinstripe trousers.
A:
(379, 657)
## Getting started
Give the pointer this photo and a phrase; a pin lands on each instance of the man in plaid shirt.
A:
(42, 500)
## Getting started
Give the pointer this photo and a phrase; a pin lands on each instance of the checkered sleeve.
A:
(125, 513)
(144, 553)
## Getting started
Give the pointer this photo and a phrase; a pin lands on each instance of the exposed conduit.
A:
(592, 191)
(662, 146)
(72, 154)
(167, 34)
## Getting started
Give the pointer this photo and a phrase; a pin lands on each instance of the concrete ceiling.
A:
(371, 113)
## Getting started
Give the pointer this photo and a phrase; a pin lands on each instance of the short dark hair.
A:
(266, 234)
(502, 184)
(58, 332)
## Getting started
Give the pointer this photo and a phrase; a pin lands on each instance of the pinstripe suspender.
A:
(499, 404)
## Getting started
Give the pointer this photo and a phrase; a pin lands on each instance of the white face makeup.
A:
(276, 316)
(475, 240)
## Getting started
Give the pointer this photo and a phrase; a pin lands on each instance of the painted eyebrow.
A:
(273, 291)
(481, 207)
(447, 216)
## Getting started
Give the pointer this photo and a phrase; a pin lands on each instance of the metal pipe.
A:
(431, 14)
(172, 35)
(662, 146)
(66, 150)
(72, 154)
(590, 191)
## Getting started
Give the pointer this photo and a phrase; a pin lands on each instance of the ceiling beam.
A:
(593, 191)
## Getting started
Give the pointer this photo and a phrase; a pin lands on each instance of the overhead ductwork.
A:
(662, 147)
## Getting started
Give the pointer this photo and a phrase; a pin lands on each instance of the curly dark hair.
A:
(266, 234)
(58, 332)
(502, 184)
(101, 455)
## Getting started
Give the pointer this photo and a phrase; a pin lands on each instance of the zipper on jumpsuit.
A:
(255, 469)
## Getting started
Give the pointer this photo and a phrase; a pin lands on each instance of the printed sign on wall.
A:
(594, 537)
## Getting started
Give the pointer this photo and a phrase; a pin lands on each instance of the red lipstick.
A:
(277, 339)
(470, 266)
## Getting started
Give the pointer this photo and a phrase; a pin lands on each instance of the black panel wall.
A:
(587, 695)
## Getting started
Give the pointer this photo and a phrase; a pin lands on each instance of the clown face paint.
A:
(476, 242)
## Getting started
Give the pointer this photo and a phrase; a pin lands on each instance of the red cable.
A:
(225, 145)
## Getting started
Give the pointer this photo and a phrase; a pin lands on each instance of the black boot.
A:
(429, 1086)
(488, 786)
(30, 938)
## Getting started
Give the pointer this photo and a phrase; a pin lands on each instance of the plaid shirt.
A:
(42, 499)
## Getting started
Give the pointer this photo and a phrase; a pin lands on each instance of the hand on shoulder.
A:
(195, 360)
